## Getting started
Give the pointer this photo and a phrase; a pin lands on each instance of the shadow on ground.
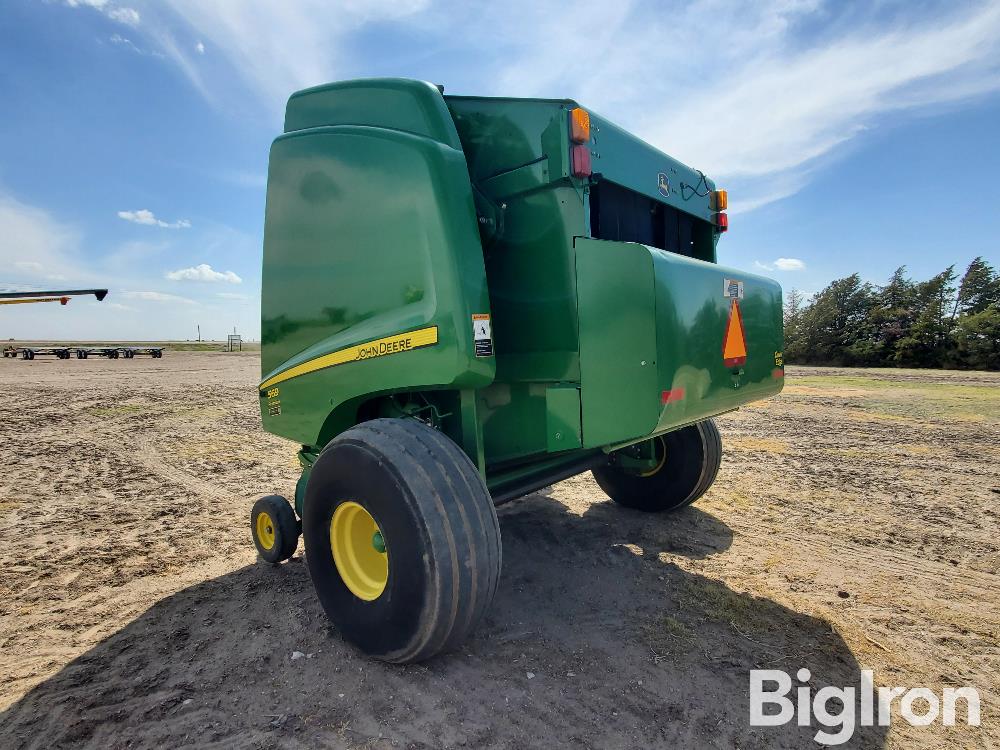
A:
(593, 641)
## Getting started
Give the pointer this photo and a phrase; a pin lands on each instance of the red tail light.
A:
(722, 222)
(581, 161)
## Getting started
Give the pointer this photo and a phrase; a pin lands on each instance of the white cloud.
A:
(788, 107)
(36, 248)
(781, 264)
(740, 95)
(39, 250)
(159, 297)
(127, 16)
(789, 264)
(204, 272)
(124, 42)
(121, 14)
(760, 96)
(145, 216)
(276, 48)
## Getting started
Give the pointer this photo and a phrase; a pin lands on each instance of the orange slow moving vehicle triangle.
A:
(734, 343)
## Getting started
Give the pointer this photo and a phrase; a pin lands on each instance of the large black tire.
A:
(436, 525)
(689, 462)
(274, 528)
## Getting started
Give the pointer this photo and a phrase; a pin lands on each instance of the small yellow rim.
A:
(265, 530)
(661, 447)
(354, 540)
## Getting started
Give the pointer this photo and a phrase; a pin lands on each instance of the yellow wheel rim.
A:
(265, 530)
(661, 448)
(359, 551)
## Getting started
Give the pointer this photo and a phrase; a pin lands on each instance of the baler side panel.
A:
(617, 308)
(694, 314)
(639, 304)
(517, 151)
(369, 233)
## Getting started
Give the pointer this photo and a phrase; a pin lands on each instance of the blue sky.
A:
(851, 136)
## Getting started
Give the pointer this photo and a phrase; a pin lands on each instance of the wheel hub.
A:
(265, 530)
(359, 551)
(660, 451)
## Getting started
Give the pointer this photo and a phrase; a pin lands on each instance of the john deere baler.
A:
(466, 299)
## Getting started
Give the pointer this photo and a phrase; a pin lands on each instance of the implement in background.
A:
(61, 296)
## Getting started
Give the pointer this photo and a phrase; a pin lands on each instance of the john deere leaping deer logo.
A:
(663, 184)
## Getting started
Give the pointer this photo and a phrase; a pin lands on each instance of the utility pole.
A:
(199, 332)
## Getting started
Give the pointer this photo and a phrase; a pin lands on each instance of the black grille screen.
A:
(617, 213)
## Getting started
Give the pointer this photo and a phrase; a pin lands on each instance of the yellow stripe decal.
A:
(401, 342)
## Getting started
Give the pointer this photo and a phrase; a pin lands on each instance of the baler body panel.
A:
(391, 103)
(652, 330)
(334, 279)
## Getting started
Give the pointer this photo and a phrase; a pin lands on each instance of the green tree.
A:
(980, 288)
(836, 326)
(892, 316)
(795, 306)
(977, 339)
(928, 342)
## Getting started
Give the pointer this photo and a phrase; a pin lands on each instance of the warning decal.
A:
(482, 334)
(732, 288)
(734, 343)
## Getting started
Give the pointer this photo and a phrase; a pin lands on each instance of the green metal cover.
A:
(392, 103)
(339, 275)
(563, 425)
(652, 327)
(617, 311)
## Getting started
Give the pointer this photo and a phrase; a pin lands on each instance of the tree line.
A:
(942, 322)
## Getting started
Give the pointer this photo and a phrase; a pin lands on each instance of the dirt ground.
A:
(854, 525)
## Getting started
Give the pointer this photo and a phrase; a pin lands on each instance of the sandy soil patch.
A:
(854, 524)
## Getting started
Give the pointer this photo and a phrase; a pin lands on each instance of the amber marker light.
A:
(579, 125)
(720, 200)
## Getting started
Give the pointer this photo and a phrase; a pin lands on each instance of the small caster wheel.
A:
(274, 528)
